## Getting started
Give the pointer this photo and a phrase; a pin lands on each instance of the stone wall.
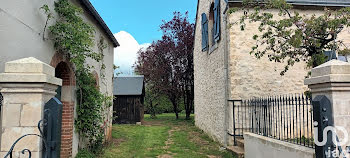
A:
(209, 79)
(251, 77)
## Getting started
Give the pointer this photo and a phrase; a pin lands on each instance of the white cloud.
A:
(125, 55)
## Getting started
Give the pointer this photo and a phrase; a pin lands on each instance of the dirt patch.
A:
(195, 137)
(168, 142)
(165, 156)
(212, 156)
(117, 142)
(152, 123)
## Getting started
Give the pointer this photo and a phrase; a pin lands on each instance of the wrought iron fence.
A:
(1, 99)
(24, 151)
(287, 118)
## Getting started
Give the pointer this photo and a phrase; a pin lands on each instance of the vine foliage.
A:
(75, 38)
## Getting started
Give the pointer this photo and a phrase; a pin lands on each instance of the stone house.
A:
(21, 28)
(224, 69)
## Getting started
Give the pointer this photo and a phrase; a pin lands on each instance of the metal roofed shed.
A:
(128, 104)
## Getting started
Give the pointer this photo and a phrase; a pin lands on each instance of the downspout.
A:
(227, 83)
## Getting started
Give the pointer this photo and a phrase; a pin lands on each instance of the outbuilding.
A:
(129, 93)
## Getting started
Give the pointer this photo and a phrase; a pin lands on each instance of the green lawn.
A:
(164, 137)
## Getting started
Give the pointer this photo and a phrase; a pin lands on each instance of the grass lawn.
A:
(163, 137)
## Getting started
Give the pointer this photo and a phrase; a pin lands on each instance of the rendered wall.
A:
(256, 146)
(21, 29)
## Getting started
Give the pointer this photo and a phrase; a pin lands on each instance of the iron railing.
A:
(287, 118)
(24, 151)
(1, 99)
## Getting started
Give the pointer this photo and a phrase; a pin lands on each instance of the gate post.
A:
(27, 84)
(332, 79)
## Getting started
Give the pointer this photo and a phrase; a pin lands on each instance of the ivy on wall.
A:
(75, 38)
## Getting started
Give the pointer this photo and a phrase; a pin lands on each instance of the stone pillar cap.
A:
(29, 70)
(29, 65)
(331, 71)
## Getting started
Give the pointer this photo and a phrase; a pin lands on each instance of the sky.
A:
(135, 24)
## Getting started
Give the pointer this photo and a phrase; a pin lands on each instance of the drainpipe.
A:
(227, 83)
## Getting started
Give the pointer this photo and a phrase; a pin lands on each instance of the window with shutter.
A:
(217, 20)
(205, 41)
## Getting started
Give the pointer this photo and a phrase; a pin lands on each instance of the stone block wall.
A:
(210, 79)
(251, 77)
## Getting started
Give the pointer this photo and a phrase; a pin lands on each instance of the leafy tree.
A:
(292, 36)
(157, 103)
(168, 63)
(150, 101)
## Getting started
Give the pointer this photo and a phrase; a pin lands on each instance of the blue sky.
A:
(135, 24)
(141, 18)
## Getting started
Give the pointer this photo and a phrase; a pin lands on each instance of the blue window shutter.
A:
(217, 20)
(205, 43)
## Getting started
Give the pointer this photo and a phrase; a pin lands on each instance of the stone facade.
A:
(21, 36)
(251, 77)
(210, 79)
(228, 71)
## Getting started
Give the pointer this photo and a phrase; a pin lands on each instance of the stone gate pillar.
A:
(27, 84)
(332, 79)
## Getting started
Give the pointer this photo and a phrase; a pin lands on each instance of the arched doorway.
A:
(65, 94)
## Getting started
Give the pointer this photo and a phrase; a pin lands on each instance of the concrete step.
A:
(238, 151)
(240, 142)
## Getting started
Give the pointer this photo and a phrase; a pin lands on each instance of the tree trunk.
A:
(152, 111)
(188, 105)
(173, 101)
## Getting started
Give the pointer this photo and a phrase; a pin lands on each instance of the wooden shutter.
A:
(217, 20)
(205, 40)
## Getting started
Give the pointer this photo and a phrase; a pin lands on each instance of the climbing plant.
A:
(75, 38)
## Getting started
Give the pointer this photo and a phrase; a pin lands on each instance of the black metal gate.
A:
(1, 99)
(52, 128)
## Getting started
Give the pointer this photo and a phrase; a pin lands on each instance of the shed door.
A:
(127, 110)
